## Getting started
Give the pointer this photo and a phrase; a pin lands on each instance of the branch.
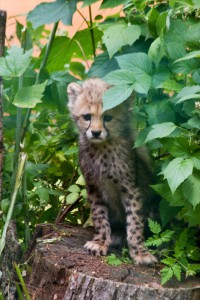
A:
(2, 41)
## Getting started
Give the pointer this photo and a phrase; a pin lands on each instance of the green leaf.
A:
(169, 261)
(154, 226)
(194, 122)
(126, 35)
(191, 188)
(113, 260)
(84, 193)
(74, 188)
(156, 51)
(29, 96)
(88, 2)
(111, 3)
(152, 17)
(116, 95)
(177, 271)
(188, 92)
(153, 241)
(47, 13)
(138, 63)
(80, 180)
(119, 77)
(15, 63)
(177, 171)
(102, 65)
(166, 236)
(43, 195)
(160, 131)
(159, 112)
(141, 67)
(192, 54)
(172, 85)
(166, 275)
(71, 198)
(141, 137)
(178, 147)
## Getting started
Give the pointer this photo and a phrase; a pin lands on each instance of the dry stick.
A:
(2, 41)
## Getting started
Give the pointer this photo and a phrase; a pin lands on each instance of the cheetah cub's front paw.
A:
(145, 259)
(95, 248)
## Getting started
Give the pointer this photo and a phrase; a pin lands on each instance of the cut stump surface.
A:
(63, 270)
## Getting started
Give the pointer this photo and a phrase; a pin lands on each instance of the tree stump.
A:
(63, 270)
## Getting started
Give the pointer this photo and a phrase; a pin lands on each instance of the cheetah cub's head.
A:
(85, 104)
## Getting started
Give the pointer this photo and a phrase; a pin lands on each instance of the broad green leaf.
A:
(175, 38)
(159, 77)
(188, 92)
(172, 85)
(160, 131)
(138, 63)
(80, 180)
(15, 63)
(84, 193)
(159, 112)
(116, 95)
(190, 55)
(141, 66)
(177, 171)
(193, 215)
(152, 17)
(178, 147)
(88, 2)
(102, 65)
(119, 77)
(74, 188)
(191, 188)
(29, 96)
(111, 3)
(167, 212)
(142, 84)
(72, 197)
(161, 23)
(141, 137)
(43, 195)
(194, 122)
(156, 51)
(118, 35)
(47, 13)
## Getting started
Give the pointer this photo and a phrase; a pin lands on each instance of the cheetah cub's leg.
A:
(132, 200)
(102, 237)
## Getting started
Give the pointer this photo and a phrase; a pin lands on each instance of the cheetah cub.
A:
(117, 176)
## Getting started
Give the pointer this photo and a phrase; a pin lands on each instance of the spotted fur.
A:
(117, 176)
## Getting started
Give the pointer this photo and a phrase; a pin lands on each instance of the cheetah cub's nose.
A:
(96, 134)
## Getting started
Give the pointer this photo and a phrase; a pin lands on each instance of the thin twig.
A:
(92, 32)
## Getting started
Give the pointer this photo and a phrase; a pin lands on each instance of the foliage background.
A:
(150, 47)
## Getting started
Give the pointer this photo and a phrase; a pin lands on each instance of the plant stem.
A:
(19, 275)
(19, 173)
(43, 64)
(92, 32)
(17, 137)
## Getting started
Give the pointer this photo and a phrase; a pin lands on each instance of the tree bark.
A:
(63, 270)
(2, 41)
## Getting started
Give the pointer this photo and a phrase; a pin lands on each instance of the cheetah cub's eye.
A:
(87, 117)
(107, 118)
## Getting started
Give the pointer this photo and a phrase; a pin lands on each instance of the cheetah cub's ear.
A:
(73, 90)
